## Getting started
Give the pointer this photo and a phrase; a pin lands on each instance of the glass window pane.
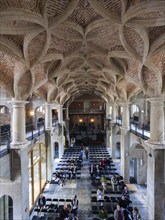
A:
(36, 180)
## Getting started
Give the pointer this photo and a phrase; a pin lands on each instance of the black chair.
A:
(68, 200)
(50, 218)
(93, 199)
(55, 201)
(35, 217)
(48, 201)
(43, 218)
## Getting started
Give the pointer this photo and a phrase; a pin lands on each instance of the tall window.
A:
(37, 172)
(6, 208)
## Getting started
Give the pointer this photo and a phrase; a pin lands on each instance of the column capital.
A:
(158, 101)
(125, 104)
(125, 128)
(18, 103)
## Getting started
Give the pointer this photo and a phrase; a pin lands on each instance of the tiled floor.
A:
(82, 188)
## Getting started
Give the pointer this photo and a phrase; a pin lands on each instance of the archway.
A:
(138, 163)
(135, 113)
(56, 150)
(118, 150)
(6, 208)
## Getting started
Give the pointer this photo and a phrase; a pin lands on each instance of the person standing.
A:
(136, 214)
(41, 202)
(75, 204)
(86, 152)
(118, 213)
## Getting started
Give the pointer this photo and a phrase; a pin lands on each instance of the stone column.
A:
(155, 184)
(48, 117)
(18, 186)
(18, 123)
(125, 142)
(113, 131)
(113, 141)
(61, 131)
(108, 105)
(157, 121)
(114, 113)
(60, 114)
(156, 161)
(108, 135)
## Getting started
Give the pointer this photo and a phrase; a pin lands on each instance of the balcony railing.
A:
(31, 134)
(86, 111)
(142, 131)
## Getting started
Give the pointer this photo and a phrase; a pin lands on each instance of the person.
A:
(126, 193)
(100, 195)
(103, 182)
(86, 152)
(64, 213)
(114, 182)
(121, 183)
(75, 204)
(136, 214)
(103, 214)
(81, 155)
(123, 202)
(118, 213)
(41, 202)
(63, 177)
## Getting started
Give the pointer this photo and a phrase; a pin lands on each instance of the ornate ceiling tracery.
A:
(61, 49)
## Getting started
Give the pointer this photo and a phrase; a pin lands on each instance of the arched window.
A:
(6, 208)
(37, 171)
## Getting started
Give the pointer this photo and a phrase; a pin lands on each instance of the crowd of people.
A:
(124, 209)
(69, 172)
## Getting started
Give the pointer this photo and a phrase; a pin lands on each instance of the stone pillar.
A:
(113, 141)
(114, 113)
(125, 142)
(60, 114)
(18, 123)
(157, 121)
(48, 117)
(113, 131)
(108, 135)
(61, 131)
(18, 186)
(156, 161)
(108, 110)
(155, 184)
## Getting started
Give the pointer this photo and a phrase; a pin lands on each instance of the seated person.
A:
(103, 214)
(114, 182)
(100, 195)
(64, 213)
(103, 182)
(126, 193)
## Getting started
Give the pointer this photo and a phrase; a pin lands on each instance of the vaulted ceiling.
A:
(61, 49)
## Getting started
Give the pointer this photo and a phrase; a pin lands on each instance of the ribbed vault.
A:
(62, 49)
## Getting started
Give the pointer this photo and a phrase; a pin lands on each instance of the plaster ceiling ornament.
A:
(61, 49)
